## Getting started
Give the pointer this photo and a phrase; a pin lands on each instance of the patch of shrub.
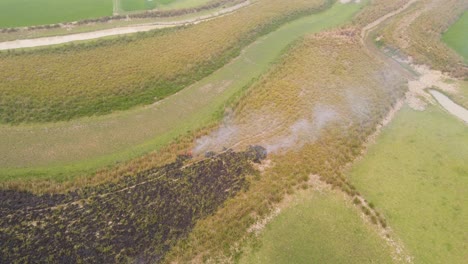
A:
(356, 201)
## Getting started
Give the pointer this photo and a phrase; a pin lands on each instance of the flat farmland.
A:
(21, 13)
(456, 36)
(134, 5)
(318, 227)
(416, 174)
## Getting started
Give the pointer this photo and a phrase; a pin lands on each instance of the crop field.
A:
(44, 85)
(58, 151)
(456, 37)
(318, 227)
(14, 13)
(132, 5)
(416, 173)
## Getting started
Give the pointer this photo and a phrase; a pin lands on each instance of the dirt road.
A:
(46, 41)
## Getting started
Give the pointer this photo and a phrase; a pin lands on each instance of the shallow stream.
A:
(450, 106)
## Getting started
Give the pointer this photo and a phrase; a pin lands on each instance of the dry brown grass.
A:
(97, 78)
(418, 31)
(377, 9)
(331, 70)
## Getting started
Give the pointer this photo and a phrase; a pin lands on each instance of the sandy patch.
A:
(417, 96)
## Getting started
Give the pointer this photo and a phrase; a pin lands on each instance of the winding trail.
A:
(368, 28)
(55, 40)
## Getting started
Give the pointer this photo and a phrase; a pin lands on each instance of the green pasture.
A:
(457, 36)
(20, 13)
(134, 5)
(417, 175)
(63, 150)
(318, 227)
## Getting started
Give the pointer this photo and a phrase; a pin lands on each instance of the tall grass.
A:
(377, 9)
(321, 70)
(418, 34)
(104, 76)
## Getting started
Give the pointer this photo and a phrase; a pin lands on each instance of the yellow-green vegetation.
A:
(456, 36)
(178, 4)
(338, 105)
(132, 5)
(64, 150)
(318, 227)
(376, 10)
(418, 33)
(416, 174)
(97, 78)
(462, 96)
(15, 13)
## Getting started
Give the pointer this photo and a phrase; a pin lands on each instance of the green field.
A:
(416, 175)
(19, 13)
(58, 151)
(457, 36)
(318, 227)
(134, 5)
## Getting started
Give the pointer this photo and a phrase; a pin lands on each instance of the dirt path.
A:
(46, 41)
(368, 28)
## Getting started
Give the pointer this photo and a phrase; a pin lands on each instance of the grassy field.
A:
(318, 227)
(19, 13)
(462, 97)
(58, 151)
(417, 175)
(133, 5)
(456, 36)
(45, 85)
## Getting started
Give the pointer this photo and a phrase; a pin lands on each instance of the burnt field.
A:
(137, 219)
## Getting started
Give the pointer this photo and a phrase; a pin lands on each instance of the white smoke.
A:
(360, 105)
(304, 130)
(216, 140)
